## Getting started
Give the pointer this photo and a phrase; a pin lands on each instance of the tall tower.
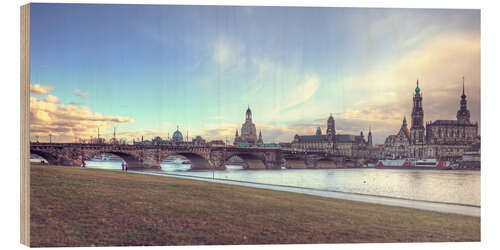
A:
(417, 119)
(370, 140)
(330, 128)
(248, 115)
(259, 141)
(463, 113)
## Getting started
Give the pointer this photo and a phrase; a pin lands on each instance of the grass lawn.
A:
(87, 207)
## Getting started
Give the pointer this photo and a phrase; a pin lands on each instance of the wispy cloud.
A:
(229, 54)
(40, 89)
(79, 93)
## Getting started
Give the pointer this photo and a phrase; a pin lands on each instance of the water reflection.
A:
(461, 187)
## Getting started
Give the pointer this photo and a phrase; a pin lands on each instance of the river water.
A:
(445, 186)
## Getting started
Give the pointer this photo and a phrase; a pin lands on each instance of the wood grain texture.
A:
(25, 133)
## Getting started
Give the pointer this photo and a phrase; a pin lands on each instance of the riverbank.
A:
(88, 207)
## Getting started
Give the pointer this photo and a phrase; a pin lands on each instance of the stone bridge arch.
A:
(49, 157)
(133, 159)
(251, 160)
(198, 161)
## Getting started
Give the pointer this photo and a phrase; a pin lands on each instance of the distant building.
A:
(343, 144)
(448, 139)
(199, 141)
(177, 136)
(398, 146)
(216, 143)
(471, 157)
(440, 139)
(248, 132)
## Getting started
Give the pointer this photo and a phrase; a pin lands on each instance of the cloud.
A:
(40, 89)
(48, 116)
(303, 91)
(52, 99)
(229, 54)
(75, 103)
(79, 93)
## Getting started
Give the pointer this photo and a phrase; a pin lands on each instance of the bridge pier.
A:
(296, 164)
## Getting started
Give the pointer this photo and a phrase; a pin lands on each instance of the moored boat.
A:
(413, 164)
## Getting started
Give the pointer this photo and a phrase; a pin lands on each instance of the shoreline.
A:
(452, 208)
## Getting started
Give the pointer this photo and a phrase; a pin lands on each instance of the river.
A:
(444, 186)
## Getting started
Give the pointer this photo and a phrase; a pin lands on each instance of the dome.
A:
(177, 137)
(318, 131)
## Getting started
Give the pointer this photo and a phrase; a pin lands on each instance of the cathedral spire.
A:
(259, 141)
(370, 139)
(463, 113)
(404, 122)
(463, 86)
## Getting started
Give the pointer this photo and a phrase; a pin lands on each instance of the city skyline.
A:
(147, 69)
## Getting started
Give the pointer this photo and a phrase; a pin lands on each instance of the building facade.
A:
(449, 139)
(342, 144)
(440, 139)
(398, 146)
(248, 134)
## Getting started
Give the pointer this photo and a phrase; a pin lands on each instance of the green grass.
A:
(88, 207)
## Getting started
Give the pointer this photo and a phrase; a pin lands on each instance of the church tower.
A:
(463, 113)
(330, 128)
(249, 115)
(248, 130)
(259, 141)
(417, 119)
(370, 140)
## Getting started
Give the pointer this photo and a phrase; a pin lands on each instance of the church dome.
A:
(318, 131)
(177, 137)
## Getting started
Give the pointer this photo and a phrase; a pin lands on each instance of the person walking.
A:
(123, 165)
(126, 167)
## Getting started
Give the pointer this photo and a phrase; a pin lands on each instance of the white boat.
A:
(413, 164)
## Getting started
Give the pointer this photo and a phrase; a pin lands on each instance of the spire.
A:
(463, 86)
(370, 140)
(404, 121)
(236, 132)
(463, 113)
(259, 141)
(249, 114)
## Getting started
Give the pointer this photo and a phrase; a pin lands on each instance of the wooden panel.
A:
(25, 133)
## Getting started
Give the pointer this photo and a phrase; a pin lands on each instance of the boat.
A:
(413, 164)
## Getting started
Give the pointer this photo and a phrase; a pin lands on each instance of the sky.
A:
(146, 69)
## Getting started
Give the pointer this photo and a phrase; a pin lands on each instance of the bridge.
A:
(201, 157)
